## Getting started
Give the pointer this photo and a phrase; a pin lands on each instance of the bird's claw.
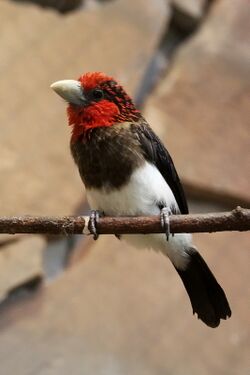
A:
(93, 222)
(164, 215)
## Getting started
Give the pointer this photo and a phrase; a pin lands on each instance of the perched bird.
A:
(127, 171)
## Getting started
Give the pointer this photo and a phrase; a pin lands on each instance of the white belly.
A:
(141, 196)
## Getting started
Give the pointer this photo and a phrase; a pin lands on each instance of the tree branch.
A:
(236, 220)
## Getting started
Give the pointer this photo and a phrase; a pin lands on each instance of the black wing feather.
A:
(156, 153)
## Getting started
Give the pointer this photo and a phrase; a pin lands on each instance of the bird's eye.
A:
(97, 94)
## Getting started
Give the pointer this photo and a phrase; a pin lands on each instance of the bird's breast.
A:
(108, 157)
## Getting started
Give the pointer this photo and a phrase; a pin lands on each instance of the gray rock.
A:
(61, 5)
(188, 13)
(123, 311)
(20, 262)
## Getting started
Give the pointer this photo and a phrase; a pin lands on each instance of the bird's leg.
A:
(164, 215)
(93, 222)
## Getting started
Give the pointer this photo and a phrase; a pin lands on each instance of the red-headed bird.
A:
(127, 171)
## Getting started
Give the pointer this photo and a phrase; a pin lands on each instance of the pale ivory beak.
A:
(70, 90)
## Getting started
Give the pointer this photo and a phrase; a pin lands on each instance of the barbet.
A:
(127, 171)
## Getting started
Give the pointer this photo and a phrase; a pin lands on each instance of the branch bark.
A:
(236, 220)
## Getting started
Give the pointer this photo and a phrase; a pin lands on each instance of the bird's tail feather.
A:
(206, 295)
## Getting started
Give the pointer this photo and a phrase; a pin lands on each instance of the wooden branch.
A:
(236, 220)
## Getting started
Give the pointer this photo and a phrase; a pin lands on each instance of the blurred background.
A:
(72, 305)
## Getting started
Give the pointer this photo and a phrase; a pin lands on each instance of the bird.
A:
(127, 171)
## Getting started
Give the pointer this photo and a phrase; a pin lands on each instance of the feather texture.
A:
(143, 194)
(157, 154)
(127, 171)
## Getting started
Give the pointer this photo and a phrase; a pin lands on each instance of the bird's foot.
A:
(164, 215)
(93, 222)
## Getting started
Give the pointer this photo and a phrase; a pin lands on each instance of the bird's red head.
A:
(95, 100)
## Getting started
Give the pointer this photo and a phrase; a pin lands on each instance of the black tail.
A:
(206, 295)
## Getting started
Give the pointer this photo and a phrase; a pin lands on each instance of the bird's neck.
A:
(100, 115)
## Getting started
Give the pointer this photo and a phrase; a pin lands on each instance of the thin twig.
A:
(236, 220)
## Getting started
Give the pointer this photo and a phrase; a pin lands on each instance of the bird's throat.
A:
(96, 115)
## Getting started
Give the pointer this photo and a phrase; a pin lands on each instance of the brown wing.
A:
(156, 153)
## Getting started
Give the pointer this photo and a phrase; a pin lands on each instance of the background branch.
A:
(236, 220)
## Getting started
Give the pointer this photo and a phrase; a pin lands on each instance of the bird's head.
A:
(95, 100)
